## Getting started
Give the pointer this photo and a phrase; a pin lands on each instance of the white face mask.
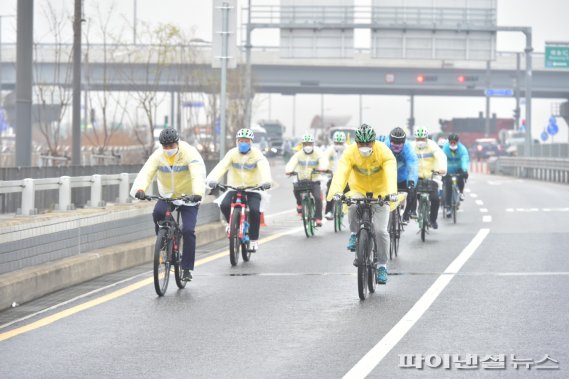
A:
(453, 148)
(308, 149)
(171, 152)
(365, 151)
(421, 144)
(339, 148)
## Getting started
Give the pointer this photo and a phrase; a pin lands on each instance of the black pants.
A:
(433, 188)
(316, 193)
(330, 204)
(254, 203)
(447, 185)
(411, 197)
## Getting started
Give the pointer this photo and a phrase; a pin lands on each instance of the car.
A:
(484, 148)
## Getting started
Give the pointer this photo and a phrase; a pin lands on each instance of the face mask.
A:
(365, 151)
(171, 152)
(244, 147)
(339, 148)
(308, 149)
(396, 148)
(421, 144)
(453, 147)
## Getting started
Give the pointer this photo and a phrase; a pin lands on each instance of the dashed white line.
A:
(473, 195)
(487, 219)
(484, 210)
(509, 209)
(384, 346)
(479, 202)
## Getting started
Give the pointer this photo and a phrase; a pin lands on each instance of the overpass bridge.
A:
(135, 67)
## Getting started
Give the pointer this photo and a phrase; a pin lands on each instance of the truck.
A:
(471, 129)
(275, 136)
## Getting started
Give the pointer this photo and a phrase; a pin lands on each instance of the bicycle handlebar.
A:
(225, 187)
(313, 172)
(186, 198)
(365, 200)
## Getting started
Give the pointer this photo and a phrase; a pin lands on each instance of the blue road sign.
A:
(544, 136)
(552, 128)
(499, 92)
(217, 127)
(193, 104)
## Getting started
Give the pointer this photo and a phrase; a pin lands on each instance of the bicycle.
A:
(167, 247)
(395, 227)
(307, 201)
(424, 190)
(454, 198)
(338, 212)
(366, 248)
(239, 223)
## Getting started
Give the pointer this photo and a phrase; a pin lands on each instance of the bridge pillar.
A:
(64, 193)
(28, 197)
(96, 191)
(124, 188)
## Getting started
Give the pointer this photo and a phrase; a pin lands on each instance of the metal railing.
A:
(546, 169)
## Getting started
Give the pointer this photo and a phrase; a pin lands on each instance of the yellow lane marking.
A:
(118, 293)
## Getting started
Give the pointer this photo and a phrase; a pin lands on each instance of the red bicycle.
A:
(239, 223)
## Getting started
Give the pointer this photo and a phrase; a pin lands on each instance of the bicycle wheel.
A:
(372, 268)
(306, 217)
(311, 211)
(338, 216)
(363, 269)
(391, 229)
(234, 243)
(454, 204)
(397, 230)
(425, 219)
(178, 267)
(245, 253)
(162, 250)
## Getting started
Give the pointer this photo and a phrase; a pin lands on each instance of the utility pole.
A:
(224, 57)
(76, 101)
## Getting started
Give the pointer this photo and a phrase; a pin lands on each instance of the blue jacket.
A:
(407, 162)
(458, 159)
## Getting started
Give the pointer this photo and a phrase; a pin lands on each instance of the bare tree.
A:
(53, 93)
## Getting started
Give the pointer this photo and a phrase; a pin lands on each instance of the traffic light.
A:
(420, 78)
(460, 78)
(426, 78)
(466, 78)
(516, 113)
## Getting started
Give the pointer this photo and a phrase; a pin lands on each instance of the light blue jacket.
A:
(458, 159)
(407, 161)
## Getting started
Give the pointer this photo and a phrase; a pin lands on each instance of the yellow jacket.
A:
(304, 164)
(376, 173)
(333, 157)
(182, 174)
(244, 170)
(431, 158)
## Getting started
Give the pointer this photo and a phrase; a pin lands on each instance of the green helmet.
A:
(365, 134)
(307, 137)
(339, 137)
(245, 133)
(421, 133)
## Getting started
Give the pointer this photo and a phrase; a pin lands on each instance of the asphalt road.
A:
(494, 284)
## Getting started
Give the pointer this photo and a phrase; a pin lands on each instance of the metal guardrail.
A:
(28, 188)
(547, 169)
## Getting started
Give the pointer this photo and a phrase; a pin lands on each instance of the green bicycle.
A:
(304, 187)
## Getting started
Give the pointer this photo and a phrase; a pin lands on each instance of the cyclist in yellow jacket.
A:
(431, 158)
(333, 153)
(304, 162)
(368, 166)
(246, 167)
(179, 171)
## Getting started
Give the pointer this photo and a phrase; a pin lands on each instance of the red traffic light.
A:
(420, 78)
(460, 78)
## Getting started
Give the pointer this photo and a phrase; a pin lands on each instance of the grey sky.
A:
(546, 17)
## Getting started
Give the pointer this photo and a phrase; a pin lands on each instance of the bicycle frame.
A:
(240, 201)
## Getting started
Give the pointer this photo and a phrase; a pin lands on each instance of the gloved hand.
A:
(338, 196)
(410, 184)
(212, 184)
(194, 198)
(266, 186)
(140, 195)
(392, 197)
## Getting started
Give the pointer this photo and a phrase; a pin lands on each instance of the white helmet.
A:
(339, 137)
(307, 137)
(245, 133)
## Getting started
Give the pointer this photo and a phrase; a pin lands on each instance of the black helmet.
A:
(168, 136)
(453, 137)
(397, 136)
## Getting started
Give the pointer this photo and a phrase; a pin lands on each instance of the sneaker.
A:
(434, 225)
(413, 214)
(253, 246)
(318, 222)
(461, 196)
(352, 242)
(329, 216)
(382, 275)
(227, 229)
(448, 213)
(187, 275)
(299, 209)
(405, 220)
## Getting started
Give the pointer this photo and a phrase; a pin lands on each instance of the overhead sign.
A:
(557, 56)
(499, 92)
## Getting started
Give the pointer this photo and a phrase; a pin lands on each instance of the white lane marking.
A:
(473, 195)
(483, 210)
(509, 209)
(467, 190)
(487, 219)
(384, 346)
(479, 202)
